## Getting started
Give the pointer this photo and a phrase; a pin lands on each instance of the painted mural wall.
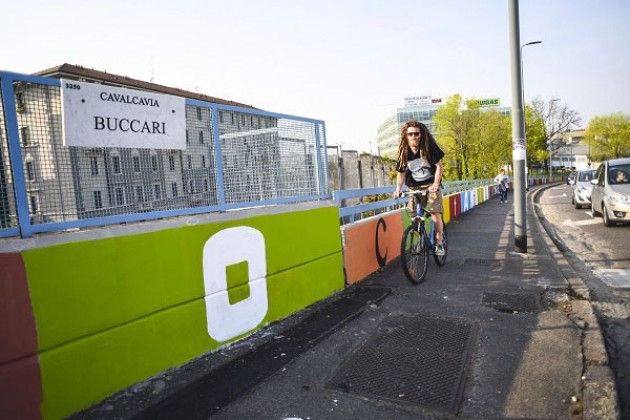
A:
(98, 316)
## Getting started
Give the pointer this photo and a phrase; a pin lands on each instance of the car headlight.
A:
(619, 198)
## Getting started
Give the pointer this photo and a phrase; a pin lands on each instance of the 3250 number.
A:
(73, 86)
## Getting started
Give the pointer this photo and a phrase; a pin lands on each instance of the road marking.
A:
(615, 278)
(588, 222)
(558, 196)
(582, 222)
(589, 213)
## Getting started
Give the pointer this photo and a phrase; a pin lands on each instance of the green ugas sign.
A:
(489, 102)
(115, 311)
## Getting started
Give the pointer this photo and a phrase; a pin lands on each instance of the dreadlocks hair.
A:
(425, 139)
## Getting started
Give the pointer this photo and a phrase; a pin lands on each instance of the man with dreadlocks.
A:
(419, 167)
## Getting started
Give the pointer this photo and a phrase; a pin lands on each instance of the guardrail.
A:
(353, 212)
(235, 157)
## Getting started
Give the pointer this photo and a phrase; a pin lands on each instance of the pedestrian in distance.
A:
(419, 167)
(504, 181)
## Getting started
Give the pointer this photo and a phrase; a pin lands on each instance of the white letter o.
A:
(227, 247)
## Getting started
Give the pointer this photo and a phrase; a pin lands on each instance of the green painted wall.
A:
(115, 311)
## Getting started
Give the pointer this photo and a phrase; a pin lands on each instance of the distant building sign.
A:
(96, 115)
(436, 100)
(489, 102)
(418, 100)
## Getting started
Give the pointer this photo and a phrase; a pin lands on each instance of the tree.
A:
(536, 137)
(454, 127)
(609, 136)
(556, 118)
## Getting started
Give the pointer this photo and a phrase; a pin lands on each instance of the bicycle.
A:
(416, 243)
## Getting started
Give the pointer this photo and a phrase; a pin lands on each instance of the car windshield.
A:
(619, 174)
(586, 176)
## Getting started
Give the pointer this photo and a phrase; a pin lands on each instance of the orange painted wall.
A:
(361, 255)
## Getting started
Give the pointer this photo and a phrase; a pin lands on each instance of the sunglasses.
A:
(414, 134)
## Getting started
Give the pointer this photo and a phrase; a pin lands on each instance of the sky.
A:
(349, 63)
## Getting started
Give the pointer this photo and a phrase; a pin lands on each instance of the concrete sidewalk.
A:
(489, 335)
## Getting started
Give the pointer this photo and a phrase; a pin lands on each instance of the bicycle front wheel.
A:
(414, 254)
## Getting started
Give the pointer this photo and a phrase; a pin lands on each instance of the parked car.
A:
(611, 191)
(571, 178)
(582, 188)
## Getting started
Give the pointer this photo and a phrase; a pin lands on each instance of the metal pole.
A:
(518, 136)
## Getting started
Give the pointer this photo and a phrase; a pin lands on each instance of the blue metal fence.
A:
(236, 157)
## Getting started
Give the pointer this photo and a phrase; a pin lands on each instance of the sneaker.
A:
(439, 250)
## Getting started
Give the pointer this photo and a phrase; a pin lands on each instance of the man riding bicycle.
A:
(419, 167)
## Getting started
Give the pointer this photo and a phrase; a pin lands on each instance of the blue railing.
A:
(353, 211)
(48, 190)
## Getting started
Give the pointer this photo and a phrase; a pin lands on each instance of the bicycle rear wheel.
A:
(440, 260)
(414, 254)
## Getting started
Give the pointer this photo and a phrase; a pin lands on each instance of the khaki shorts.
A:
(432, 201)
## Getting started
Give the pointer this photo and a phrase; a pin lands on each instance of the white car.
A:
(582, 188)
(611, 191)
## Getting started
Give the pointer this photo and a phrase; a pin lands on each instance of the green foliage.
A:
(478, 143)
(609, 136)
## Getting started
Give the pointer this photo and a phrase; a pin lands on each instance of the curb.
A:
(599, 393)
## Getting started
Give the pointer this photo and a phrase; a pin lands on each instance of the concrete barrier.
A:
(83, 320)
(372, 243)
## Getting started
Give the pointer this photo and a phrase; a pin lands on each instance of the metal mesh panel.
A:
(72, 183)
(8, 211)
(266, 157)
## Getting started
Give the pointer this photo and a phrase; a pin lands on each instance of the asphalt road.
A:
(601, 256)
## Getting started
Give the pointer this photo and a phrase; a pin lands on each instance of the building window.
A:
(116, 164)
(205, 184)
(243, 119)
(34, 204)
(120, 196)
(98, 200)
(251, 120)
(203, 161)
(258, 122)
(232, 116)
(199, 113)
(26, 136)
(136, 163)
(192, 187)
(174, 189)
(201, 137)
(221, 116)
(94, 165)
(30, 171)
(19, 102)
(154, 162)
(189, 162)
(171, 162)
(187, 138)
(158, 192)
(139, 194)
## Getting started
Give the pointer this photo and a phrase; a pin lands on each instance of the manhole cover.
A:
(420, 360)
(512, 302)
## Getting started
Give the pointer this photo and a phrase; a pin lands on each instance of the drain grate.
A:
(420, 360)
(512, 302)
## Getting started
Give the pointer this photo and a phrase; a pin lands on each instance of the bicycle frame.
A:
(422, 215)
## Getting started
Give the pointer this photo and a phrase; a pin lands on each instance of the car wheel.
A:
(607, 221)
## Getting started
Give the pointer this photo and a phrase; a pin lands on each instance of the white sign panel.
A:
(97, 115)
(418, 100)
(518, 149)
